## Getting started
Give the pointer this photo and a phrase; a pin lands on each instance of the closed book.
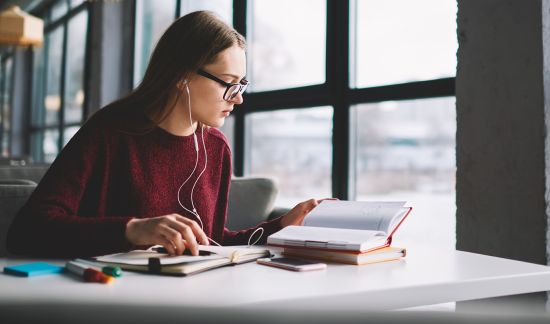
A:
(357, 226)
(154, 262)
(380, 255)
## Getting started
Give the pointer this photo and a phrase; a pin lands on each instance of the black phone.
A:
(292, 264)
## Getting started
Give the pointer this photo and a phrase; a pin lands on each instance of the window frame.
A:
(6, 55)
(44, 10)
(336, 92)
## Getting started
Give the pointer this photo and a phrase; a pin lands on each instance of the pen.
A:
(88, 274)
(108, 270)
(186, 252)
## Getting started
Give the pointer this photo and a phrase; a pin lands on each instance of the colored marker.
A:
(88, 274)
(108, 270)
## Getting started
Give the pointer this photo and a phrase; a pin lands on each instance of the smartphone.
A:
(292, 264)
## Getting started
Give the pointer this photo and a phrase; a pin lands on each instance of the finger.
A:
(312, 203)
(197, 231)
(166, 243)
(191, 240)
(174, 236)
(319, 201)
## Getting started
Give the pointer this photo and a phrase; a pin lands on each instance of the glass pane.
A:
(76, 3)
(152, 19)
(224, 8)
(5, 144)
(37, 139)
(402, 41)
(295, 148)
(59, 10)
(6, 94)
(405, 150)
(74, 84)
(285, 49)
(228, 129)
(69, 133)
(37, 100)
(50, 145)
(52, 101)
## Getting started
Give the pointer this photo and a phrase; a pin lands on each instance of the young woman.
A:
(150, 168)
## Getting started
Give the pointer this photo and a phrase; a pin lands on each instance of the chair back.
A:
(250, 202)
(13, 195)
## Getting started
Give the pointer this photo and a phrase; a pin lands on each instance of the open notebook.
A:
(357, 226)
(153, 262)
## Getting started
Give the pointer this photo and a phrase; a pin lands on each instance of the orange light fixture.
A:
(18, 28)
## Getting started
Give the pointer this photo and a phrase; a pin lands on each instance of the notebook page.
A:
(397, 219)
(303, 234)
(140, 257)
(363, 215)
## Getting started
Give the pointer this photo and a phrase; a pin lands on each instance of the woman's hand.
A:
(174, 232)
(296, 215)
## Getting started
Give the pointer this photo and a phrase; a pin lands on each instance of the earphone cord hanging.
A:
(194, 211)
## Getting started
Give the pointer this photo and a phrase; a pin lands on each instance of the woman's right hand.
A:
(174, 232)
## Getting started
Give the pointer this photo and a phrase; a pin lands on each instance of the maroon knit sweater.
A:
(103, 178)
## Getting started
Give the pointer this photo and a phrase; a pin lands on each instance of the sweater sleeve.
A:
(60, 218)
(243, 237)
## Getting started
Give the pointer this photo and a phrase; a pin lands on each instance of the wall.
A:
(502, 101)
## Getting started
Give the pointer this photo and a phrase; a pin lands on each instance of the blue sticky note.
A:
(33, 269)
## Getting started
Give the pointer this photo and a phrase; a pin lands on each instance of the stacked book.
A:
(354, 232)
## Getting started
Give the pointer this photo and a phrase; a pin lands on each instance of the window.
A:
(58, 79)
(354, 102)
(6, 71)
(401, 41)
(293, 146)
(392, 120)
(284, 49)
(405, 150)
(154, 17)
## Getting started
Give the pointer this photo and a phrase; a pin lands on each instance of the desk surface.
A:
(426, 276)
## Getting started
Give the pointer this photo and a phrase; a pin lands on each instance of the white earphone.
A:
(194, 211)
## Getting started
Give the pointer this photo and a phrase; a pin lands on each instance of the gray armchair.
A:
(250, 199)
(13, 195)
(251, 203)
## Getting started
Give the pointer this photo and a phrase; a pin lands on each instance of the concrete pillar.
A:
(503, 158)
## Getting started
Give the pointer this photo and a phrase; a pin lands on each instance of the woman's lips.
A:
(227, 112)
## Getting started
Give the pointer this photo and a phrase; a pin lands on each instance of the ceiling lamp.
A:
(18, 28)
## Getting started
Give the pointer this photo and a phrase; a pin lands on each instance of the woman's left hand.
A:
(296, 215)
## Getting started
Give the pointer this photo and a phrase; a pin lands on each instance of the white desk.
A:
(426, 276)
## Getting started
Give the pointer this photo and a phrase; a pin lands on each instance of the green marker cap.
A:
(112, 271)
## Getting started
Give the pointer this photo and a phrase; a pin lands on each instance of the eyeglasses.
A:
(232, 88)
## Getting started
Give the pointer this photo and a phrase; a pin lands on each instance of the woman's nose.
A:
(238, 99)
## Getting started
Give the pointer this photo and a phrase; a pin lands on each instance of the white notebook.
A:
(344, 225)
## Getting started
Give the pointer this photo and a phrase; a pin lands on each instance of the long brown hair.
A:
(191, 42)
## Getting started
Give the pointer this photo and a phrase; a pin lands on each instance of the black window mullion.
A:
(317, 95)
(62, 87)
(178, 9)
(239, 23)
(2, 93)
(407, 91)
(338, 81)
(41, 107)
(86, 110)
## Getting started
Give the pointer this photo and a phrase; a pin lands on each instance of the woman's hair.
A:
(191, 42)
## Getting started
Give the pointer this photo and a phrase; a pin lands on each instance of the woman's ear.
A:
(182, 83)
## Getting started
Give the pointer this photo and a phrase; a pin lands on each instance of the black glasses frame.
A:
(241, 85)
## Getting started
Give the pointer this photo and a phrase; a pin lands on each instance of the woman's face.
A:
(207, 103)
